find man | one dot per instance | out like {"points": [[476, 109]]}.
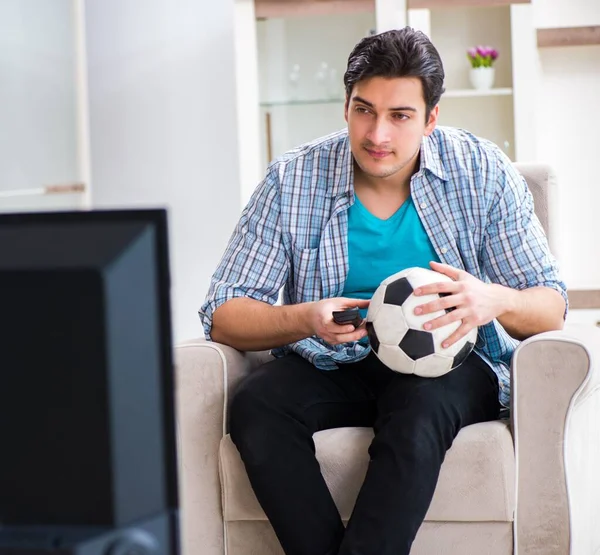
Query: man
{"points": [[330, 221]]}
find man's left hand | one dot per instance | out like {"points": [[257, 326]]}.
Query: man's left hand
{"points": [[475, 303]]}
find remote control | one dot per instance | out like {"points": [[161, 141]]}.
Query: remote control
{"points": [[348, 316]]}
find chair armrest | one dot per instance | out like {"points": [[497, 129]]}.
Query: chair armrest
{"points": [[555, 417], [205, 373]]}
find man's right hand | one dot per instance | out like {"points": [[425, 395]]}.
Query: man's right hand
{"points": [[251, 325], [320, 320]]}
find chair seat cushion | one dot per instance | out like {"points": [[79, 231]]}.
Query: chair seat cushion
{"points": [[476, 483]]}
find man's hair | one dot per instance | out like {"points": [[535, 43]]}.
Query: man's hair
{"points": [[398, 53]]}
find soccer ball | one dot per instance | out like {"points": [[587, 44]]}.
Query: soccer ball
{"points": [[396, 333]]}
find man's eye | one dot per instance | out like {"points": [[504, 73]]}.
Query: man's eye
{"points": [[400, 116], [361, 110]]}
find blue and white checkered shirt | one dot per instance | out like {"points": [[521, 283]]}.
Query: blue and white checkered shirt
{"points": [[475, 207]]}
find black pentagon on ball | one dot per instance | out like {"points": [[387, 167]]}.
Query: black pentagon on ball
{"points": [[373, 340], [417, 344], [397, 292], [462, 354]]}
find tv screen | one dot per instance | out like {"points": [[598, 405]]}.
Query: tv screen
{"points": [[87, 415]]}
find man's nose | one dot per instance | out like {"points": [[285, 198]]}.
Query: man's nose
{"points": [[379, 132]]}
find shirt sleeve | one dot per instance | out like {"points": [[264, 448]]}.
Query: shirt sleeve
{"points": [[254, 264], [515, 251]]}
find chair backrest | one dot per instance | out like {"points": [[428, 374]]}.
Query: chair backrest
{"points": [[541, 181]]}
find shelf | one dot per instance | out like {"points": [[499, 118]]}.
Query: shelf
{"points": [[456, 93], [309, 102], [470, 93], [568, 36], [432, 4], [584, 298], [59, 189], [286, 8]]}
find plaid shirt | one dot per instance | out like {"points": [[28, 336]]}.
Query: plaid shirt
{"points": [[475, 207]]}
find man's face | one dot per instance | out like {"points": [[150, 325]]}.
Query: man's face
{"points": [[386, 123]]}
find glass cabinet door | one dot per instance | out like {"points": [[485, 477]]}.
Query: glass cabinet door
{"points": [[301, 62], [39, 160]]}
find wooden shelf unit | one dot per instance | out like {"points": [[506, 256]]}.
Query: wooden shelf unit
{"points": [[584, 298], [431, 4], [286, 8], [289, 8], [568, 36]]}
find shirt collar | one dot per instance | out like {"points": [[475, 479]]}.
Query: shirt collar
{"points": [[344, 182], [430, 157]]}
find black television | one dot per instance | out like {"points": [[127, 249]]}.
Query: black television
{"points": [[88, 460]]}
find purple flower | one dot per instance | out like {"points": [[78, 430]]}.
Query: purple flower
{"points": [[482, 56], [482, 51]]}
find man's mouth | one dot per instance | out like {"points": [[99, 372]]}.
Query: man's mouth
{"points": [[378, 153]]}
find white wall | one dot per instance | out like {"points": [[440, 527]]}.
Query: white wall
{"points": [[390, 14], [561, 13], [568, 139], [163, 128], [246, 69], [568, 124], [37, 96]]}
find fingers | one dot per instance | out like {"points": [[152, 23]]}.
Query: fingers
{"points": [[351, 303], [458, 334], [335, 334], [440, 287], [449, 271], [442, 321], [451, 301], [338, 329], [346, 337]]}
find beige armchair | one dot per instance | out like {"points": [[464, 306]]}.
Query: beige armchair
{"points": [[526, 486]]}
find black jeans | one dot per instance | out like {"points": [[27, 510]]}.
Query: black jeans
{"points": [[278, 408]]}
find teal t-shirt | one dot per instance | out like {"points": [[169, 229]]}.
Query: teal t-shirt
{"points": [[379, 248]]}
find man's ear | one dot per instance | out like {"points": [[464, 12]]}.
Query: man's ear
{"points": [[432, 121], [346, 109]]}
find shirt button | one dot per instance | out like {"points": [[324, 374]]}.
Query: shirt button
{"points": [[423, 205], [443, 250]]}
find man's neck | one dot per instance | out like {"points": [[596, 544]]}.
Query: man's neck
{"points": [[399, 183]]}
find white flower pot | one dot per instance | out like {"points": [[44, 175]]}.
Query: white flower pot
{"points": [[482, 78]]}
